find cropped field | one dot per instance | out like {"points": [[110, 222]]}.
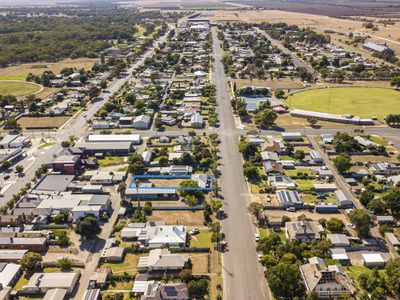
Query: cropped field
{"points": [[362, 102], [18, 88], [205, 5]]}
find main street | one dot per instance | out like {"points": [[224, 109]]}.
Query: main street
{"points": [[242, 274]]}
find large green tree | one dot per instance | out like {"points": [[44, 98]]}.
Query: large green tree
{"points": [[88, 228]]}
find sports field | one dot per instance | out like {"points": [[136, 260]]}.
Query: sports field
{"points": [[18, 88], [362, 102]]}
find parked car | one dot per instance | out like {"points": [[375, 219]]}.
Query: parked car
{"points": [[257, 237]]}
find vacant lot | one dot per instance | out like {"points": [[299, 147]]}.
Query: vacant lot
{"points": [[362, 102], [200, 263], [39, 68], [283, 83], [190, 218], [42, 122], [18, 88]]}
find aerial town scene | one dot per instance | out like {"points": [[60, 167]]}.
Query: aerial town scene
{"points": [[203, 150]]}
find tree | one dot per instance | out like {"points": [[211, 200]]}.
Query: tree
{"points": [[366, 196], [31, 261], [312, 121], [88, 228], [342, 162], [299, 154], [251, 172], [147, 208], [190, 188], [59, 218], [197, 289], [279, 94], [377, 206], [121, 189], [361, 220], [216, 205], [64, 263], [255, 209], [19, 168], [392, 276], [103, 84], [344, 142], [335, 225], [392, 200], [285, 281], [395, 82], [265, 118], [247, 149]]}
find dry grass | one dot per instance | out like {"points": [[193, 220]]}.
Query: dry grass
{"points": [[42, 122], [46, 92], [200, 263], [188, 218], [389, 34], [283, 83], [39, 68], [166, 182]]}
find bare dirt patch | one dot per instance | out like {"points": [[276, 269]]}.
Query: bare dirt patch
{"points": [[42, 122], [188, 218]]}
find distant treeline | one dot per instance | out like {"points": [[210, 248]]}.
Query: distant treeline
{"points": [[26, 39]]}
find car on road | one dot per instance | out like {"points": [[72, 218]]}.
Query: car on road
{"points": [[259, 256], [257, 237], [350, 225]]}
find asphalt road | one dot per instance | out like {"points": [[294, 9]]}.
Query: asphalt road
{"points": [[242, 274]]}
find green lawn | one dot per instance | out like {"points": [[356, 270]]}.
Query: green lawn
{"points": [[111, 161], [23, 280], [294, 172], [354, 271], [45, 145], [203, 239], [18, 88], [129, 265], [12, 77], [362, 102], [141, 30], [305, 184]]}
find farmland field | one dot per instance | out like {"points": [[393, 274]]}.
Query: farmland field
{"points": [[42, 122], [320, 23], [362, 102], [38, 68], [18, 88]]}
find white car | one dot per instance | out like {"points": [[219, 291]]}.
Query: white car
{"points": [[259, 256], [257, 237]]}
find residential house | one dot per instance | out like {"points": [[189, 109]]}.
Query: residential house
{"points": [[196, 120], [329, 282], [162, 260], [281, 182], [113, 254], [166, 291], [142, 122], [303, 231]]}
